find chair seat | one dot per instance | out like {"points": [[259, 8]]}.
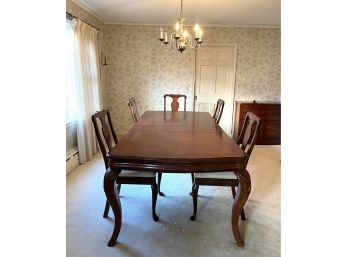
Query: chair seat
{"points": [[217, 175], [132, 173]]}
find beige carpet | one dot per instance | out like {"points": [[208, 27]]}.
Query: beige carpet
{"points": [[175, 235]]}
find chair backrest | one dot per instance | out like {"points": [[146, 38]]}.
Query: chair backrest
{"points": [[218, 110], [175, 103], [249, 133], [105, 133], [133, 109]]}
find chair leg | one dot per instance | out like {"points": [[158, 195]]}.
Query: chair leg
{"points": [[195, 188], [159, 184], [107, 205], [193, 181], [233, 192], [154, 201], [242, 214], [106, 210]]}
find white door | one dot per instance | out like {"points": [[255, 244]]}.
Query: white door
{"points": [[215, 78]]}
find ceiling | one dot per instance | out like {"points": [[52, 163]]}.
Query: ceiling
{"points": [[206, 12]]}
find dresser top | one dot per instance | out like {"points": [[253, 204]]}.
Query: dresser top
{"points": [[258, 102]]}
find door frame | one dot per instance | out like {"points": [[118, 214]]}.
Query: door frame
{"points": [[235, 45]]}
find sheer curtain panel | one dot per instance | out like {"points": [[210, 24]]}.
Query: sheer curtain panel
{"points": [[88, 88], [71, 72]]}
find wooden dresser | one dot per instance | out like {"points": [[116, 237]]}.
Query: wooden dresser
{"points": [[269, 112]]}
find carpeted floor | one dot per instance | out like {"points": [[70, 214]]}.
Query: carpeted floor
{"points": [[175, 235]]}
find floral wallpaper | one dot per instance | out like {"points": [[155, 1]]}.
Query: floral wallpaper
{"points": [[258, 60], [139, 67]]}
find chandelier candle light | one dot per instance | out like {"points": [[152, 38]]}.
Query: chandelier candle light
{"points": [[180, 38]]}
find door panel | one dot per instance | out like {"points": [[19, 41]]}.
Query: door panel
{"points": [[207, 78], [222, 56], [206, 107], [208, 54], [222, 80]]}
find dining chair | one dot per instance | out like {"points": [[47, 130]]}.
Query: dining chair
{"points": [[175, 104], [246, 141], [175, 107], [219, 108], [133, 109], [135, 116], [107, 139]]}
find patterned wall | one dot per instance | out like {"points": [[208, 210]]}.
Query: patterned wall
{"points": [[258, 60], [138, 67]]}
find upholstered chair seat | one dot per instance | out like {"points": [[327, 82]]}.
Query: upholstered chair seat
{"points": [[107, 140], [246, 141], [216, 175]]}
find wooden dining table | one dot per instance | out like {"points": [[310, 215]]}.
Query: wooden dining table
{"points": [[177, 142]]}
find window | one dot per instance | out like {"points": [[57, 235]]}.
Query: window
{"points": [[82, 84], [71, 80]]}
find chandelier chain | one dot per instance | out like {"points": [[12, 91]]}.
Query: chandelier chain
{"points": [[181, 13]]}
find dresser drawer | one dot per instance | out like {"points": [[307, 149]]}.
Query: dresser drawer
{"points": [[270, 114]]}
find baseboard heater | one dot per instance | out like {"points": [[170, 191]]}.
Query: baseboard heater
{"points": [[72, 160]]}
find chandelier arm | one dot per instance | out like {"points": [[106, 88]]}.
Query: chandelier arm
{"points": [[196, 47], [181, 39], [177, 41], [171, 42], [166, 47], [169, 47], [190, 41]]}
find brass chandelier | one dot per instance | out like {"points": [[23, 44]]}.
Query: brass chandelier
{"points": [[180, 38]]}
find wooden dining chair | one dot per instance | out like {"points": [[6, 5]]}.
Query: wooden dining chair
{"points": [[133, 109], [135, 116], [175, 107], [107, 139], [246, 141], [218, 110], [175, 104]]}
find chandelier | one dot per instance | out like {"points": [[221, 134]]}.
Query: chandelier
{"points": [[180, 38]]}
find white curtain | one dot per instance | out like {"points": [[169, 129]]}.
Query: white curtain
{"points": [[71, 71], [88, 99]]}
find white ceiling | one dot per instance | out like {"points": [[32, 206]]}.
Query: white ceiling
{"points": [[205, 12]]}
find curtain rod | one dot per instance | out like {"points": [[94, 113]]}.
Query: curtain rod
{"points": [[70, 17]]}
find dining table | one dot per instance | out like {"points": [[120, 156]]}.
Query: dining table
{"points": [[177, 142]]}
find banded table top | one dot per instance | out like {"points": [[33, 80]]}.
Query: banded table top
{"points": [[179, 137]]}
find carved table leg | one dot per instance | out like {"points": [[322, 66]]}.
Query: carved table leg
{"points": [[114, 200], [241, 198]]}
